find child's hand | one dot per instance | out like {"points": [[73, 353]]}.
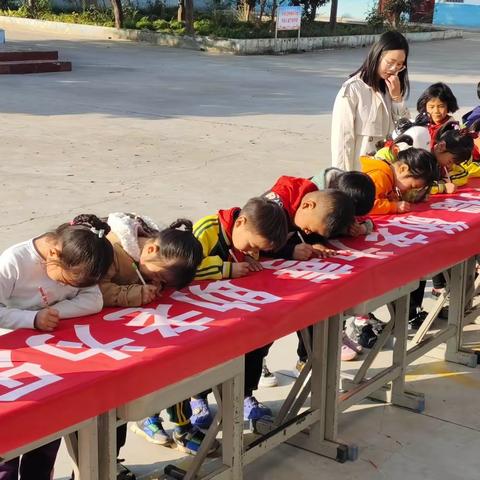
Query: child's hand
{"points": [[322, 251], [302, 251], [450, 187], [253, 265], [46, 319], [357, 229], [240, 269], [149, 293], [403, 207]]}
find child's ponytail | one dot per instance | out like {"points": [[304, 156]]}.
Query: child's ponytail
{"points": [[183, 253], [84, 249], [458, 141]]}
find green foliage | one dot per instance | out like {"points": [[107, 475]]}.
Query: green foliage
{"points": [[144, 24], [161, 25], [375, 19]]}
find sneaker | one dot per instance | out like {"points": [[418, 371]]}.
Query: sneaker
{"points": [[190, 441], [123, 473], [351, 344], [376, 324], [268, 379], [436, 292], [418, 319], [348, 354], [152, 430], [299, 367], [201, 415], [254, 410], [360, 331]]}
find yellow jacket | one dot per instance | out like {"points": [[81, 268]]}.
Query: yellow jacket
{"points": [[214, 236], [458, 176], [473, 168]]}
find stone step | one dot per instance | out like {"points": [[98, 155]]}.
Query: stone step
{"points": [[27, 55], [38, 66]]}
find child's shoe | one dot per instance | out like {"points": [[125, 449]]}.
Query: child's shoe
{"points": [[152, 430], [376, 324], [436, 292], [190, 440], [299, 367], [350, 349], [416, 321], [268, 379], [201, 415], [359, 330], [253, 410]]}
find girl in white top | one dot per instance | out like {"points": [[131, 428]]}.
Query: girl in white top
{"points": [[369, 103], [42, 281]]}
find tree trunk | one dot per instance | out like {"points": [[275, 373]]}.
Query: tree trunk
{"points": [[333, 15], [117, 13], [274, 11], [189, 17], [181, 11], [263, 4]]}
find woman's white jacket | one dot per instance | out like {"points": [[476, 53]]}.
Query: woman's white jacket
{"points": [[361, 117]]}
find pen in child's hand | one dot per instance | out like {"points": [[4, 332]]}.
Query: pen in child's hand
{"points": [[235, 259], [44, 297], [448, 176], [300, 236], [343, 252], [140, 276]]}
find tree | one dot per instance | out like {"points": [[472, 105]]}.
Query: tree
{"points": [[310, 8], [394, 9], [333, 15], [117, 13]]}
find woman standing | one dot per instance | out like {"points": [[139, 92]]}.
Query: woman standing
{"points": [[369, 103]]}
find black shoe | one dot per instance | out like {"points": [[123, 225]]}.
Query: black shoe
{"points": [[123, 473], [418, 319], [367, 337]]}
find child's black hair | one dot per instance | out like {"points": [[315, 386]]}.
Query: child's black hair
{"points": [[342, 212], [359, 187], [422, 165], [268, 219], [83, 244], [457, 140], [441, 91], [391, 40], [183, 252]]}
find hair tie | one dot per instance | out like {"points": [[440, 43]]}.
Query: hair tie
{"points": [[100, 232]]}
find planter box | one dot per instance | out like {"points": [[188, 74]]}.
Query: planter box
{"points": [[256, 46]]}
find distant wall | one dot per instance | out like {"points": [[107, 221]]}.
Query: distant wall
{"points": [[461, 13]]}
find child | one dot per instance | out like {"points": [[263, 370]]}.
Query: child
{"points": [[160, 258], [414, 169], [229, 240], [453, 149], [42, 281], [438, 101], [313, 214]]}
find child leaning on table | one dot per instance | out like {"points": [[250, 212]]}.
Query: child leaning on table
{"points": [[42, 281], [231, 241], [147, 259]]}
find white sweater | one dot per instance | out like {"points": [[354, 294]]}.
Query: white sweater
{"points": [[360, 118], [22, 271]]}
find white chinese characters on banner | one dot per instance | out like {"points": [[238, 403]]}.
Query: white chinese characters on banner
{"points": [[458, 205], [375, 253], [116, 349], [157, 320], [426, 225], [223, 296], [383, 236], [314, 270], [18, 389]]}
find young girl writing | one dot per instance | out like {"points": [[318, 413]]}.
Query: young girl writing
{"points": [[43, 281], [147, 259]]}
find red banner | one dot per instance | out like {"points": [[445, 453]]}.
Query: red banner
{"points": [[92, 364]]}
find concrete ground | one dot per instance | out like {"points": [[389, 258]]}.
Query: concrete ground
{"points": [[173, 133]]}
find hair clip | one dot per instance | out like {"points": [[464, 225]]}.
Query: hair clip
{"points": [[100, 232]]}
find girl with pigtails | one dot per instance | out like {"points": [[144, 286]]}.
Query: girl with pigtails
{"points": [[42, 281]]}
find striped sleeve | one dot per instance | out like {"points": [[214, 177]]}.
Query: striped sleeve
{"points": [[212, 267]]}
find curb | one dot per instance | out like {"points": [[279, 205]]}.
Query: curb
{"points": [[255, 46]]}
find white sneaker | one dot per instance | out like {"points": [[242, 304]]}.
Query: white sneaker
{"points": [[268, 379]]}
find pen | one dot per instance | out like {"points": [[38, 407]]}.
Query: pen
{"points": [[44, 296], [233, 256], [140, 276]]}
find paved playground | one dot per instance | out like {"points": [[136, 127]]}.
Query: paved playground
{"points": [[178, 133]]}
